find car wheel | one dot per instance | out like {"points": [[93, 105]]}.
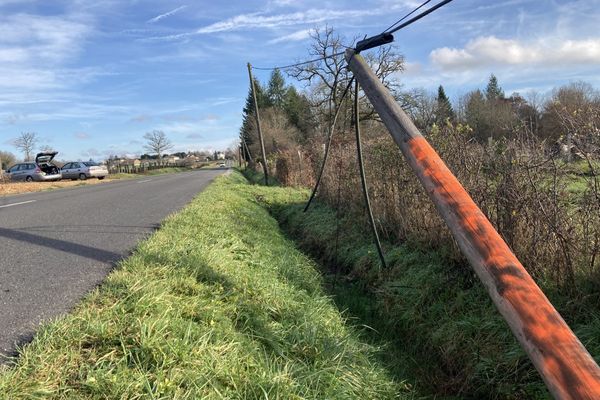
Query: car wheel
{"points": [[83, 177], [100, 178], [29, 179]]}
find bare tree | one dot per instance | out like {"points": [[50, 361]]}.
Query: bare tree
{"points": [[327, 77], [6, 159], [26, 143], [157, 142], [47, 148]]}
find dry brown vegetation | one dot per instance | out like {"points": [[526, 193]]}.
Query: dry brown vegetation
{"points": [[546, 209], [9, 188]]}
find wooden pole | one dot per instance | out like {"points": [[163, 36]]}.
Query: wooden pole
{"points": [[563, 362], [260, 138]]}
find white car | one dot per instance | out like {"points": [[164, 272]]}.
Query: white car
{"points": [[83, 170]]}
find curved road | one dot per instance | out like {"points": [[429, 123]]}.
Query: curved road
{"points": [[56, 246]]}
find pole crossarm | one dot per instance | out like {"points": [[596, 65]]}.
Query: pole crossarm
{"points": [[563, 362]]}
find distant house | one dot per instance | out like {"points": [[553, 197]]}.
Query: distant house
{"points": [[220, 155]]}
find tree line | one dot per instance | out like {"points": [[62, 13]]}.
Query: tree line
{"points": [[567, 118]]}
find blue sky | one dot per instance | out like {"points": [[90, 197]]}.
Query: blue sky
{"points": [[92, 76]]}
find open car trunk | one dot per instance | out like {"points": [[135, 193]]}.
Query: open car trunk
{"points": [[44, 162]]}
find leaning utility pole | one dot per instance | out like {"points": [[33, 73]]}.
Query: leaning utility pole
{"points": [[260, 138], [563, 362]]}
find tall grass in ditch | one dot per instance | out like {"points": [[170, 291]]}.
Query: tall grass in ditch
{"points": [[217, 304], [548, 211], [433, 316]]}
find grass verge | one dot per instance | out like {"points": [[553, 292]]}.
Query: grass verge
{"points": [[152, 172], [216, 304]]}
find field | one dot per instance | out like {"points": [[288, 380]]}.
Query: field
{"points": [[10, 188]]}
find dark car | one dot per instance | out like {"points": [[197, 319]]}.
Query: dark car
{"points": [[41, 170]]}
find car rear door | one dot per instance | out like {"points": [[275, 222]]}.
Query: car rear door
{"points": [[28, 170]]}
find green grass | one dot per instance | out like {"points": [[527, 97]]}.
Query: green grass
{"points": [[159, 171], [217, 304], [437, 324]]}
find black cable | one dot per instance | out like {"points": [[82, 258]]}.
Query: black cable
{"points": [[363, 179], [300, 63], [328, 145], [407, 15], [247, 149], [418, 17]]}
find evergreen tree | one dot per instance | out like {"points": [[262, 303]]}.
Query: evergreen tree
{"points": [[493, 91], [248, 114], [444, 107], [297, 109], [276, 89], [476, 113]]}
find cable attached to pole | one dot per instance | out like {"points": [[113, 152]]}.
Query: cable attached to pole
{"points": [[341, 53], [363, 178], [386, 36], [328, 145]]}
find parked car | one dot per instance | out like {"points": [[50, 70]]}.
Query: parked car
{"points": [[41, 170], [83, 170]]}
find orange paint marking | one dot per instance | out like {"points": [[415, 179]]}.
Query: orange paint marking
{"points": [[566, 366]]}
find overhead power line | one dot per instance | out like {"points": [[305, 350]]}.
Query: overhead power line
{"points": [[300, 63], [406, 16], [386, 36], [418, 17]]}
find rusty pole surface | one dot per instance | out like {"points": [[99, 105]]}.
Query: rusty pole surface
{"points": [[563, 362], [260, 138]]}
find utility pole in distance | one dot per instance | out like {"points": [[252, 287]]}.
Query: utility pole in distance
{"points": [[260, 138]]}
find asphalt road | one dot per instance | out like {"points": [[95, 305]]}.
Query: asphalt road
{"points": [[56, 246]]}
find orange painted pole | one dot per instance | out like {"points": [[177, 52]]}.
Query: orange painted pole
{"points": [[563, 362]]}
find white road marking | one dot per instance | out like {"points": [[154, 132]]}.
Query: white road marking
{"points": [[17, 204], [147, 180]]}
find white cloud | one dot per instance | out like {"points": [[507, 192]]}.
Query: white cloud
{"points": [[33, 38], [34, 49], [82, 135], [490, 50], [255, 20], [260, 21], [165, 15], [292, 37]]}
